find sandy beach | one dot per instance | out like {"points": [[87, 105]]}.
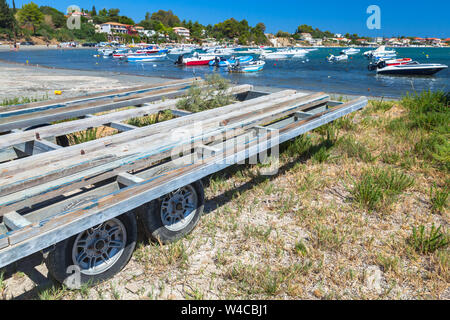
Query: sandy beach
{"points": [[18, 80]]}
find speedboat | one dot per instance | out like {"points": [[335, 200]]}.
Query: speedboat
{"points": [[296, 53], [342, 57], [350, 51], [381, 53], [410, 68], [196, 60], [276, 55], [222, 62], [146, 57], [252, 66]]}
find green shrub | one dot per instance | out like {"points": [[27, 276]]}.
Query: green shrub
{"points": [[427, 242], [438, 199], [379, 187], [210, 96]]}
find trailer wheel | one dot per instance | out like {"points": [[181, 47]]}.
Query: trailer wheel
{"points": [[174, 215], [96, 254]]}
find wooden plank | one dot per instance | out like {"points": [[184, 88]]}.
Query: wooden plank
{"points": [[95, 121], [204, 150], [128, 179], [15, 221], [110, 169]]}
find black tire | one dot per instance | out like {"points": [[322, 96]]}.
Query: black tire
{"points": [[60, 263], [154, 226]]}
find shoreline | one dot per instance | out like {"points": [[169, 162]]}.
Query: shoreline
{"points": [[121, 80]]}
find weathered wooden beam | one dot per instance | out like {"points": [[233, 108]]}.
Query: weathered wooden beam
{"points": [[302, 115]]}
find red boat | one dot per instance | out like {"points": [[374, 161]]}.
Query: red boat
{"points": [[196, 60]]}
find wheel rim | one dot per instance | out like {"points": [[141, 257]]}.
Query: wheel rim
{"points": [[98, 249], [178, 208]]}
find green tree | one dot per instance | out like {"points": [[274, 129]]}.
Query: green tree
{"points": [[58, 18], [30, 15], [6, 16], [93, 11], [168, 18]]}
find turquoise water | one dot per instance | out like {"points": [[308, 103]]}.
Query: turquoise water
{"points": [[310, 73]]}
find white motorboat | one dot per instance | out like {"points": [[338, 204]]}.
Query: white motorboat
{"points": [[350, 51], [296, 52], [411, 68], [381, 53], [342, 57], [276, 55]]}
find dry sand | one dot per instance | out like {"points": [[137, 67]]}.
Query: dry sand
{"points": [[18, 80]]}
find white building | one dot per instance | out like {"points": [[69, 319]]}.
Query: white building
{"points": [[183, 32], [113, 27]]}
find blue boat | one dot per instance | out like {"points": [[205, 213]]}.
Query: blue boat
{"points": [[223, 62]]}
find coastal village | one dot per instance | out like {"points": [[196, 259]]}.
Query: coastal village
{"points": [[46, 25]]}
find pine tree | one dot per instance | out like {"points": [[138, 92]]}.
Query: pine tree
{"points": [[93, 12], [6, 16]]}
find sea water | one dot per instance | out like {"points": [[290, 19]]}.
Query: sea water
{"points": [[312, 72]]}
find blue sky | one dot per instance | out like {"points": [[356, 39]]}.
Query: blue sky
{"points": [[425, 18]]}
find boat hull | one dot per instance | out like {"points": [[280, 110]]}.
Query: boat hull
{"points": [[411, 72]]}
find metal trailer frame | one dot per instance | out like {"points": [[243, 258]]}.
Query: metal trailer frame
{"points": [[40, 225]]}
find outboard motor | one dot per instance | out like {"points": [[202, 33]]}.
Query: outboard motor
{"points": [[372, 66], [180, 60], [216, 61], [381, 64]]}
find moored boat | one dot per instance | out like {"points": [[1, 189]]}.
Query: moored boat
{"points": [[410, 68], [252, 66], [333, 58], [146, 57], [196, 60]]}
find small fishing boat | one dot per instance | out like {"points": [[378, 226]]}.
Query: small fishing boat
{"points": [[252, 66], [350, 51], [223, 62], [410, 68], [146, 57], [342, 57], [196, 60]]}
